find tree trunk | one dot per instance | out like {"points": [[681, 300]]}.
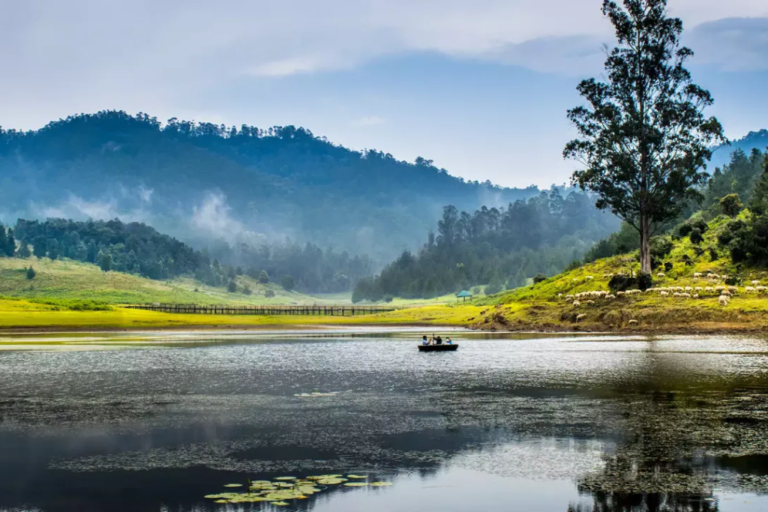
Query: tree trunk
{"points": [[645, 244]]}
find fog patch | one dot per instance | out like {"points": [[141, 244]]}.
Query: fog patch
{"points": [[213, 216]]}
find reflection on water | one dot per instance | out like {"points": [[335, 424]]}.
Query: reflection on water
{"points": [[572, 423]]}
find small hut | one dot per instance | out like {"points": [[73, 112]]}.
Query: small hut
{"points": [[464, 294]]}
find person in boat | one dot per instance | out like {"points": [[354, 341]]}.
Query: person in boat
{"points": [[448, 341], [438, 340], [424, 340]]}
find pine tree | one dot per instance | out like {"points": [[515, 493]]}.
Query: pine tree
{"points": [[10, 245], [39, 247], [3, 240], [24, 251], [264, 277], [105, 261], [31, 273]]}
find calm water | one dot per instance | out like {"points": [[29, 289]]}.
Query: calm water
{"points": [[518, 424]]}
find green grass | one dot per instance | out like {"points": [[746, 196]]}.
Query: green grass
{"points": [[65, 280]]}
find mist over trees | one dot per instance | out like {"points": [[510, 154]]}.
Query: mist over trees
{"points": [[497, 247], [139, 249], [279, 181]]}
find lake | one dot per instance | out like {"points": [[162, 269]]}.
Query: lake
{"points": [[507, 423]]}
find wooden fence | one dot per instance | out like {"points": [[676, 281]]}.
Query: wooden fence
{"points": [[264, 310]]}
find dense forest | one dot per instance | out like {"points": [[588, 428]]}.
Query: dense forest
{"points": [[201, 182], [499, 247], [139, 249]]}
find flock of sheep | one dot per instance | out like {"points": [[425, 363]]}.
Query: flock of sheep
{"points": [[723, 292]]}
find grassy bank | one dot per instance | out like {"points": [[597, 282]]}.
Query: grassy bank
{"points": [[66, 280], [18, 314]]}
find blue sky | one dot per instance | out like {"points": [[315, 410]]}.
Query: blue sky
{"points": [[479, 86]]}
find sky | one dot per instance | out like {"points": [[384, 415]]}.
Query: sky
{"points": [[479, 86]]}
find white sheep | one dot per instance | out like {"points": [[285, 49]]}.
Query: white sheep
{"points": [[726, 293], [750, 289], [695, 295], [590, 278], [709, 289], [581, 317], [661, 275], [688, 289], [664, 294], [576, 303], [697, 275], [698, 289], [755, 283], [610, 297], [723, 300]]}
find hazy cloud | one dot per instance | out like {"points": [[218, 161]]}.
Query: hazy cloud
{"points": [[213, 217], [733, 44], [97, 57], [78, 208], [368, 121]]}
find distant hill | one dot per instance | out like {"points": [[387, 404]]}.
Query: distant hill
{"points": [[201, 181], [754, 140]]}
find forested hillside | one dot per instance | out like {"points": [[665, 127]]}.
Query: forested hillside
{"points": [[136, 248], [500, 247], [753, 140], [201, 181]]}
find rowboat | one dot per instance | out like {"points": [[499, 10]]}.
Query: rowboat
{"points": [[438, 348]]}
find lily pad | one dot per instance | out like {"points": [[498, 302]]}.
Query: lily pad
{"points": [[233, 485], [358, 476], [213, 496], [381, 484], [286, 478], [356, 484], [221, 501]]}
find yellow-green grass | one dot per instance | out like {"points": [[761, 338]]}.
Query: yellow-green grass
{"points": [[541, 307], [71, 280], [22, 314]]}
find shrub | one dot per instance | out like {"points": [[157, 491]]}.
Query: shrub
{"points": [[713, 254], [269, 294], [232, 287], [388, 298], [538, 278], [731, 205], [264, 277], [696, 236], [733, 281], [644, 281], [31, 273], [668, 267], [247, 290]]}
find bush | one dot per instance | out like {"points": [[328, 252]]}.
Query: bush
{"points": [[388, 298], [644, 281], [538, 278], [31, 273], [264, 277], [733, 281], [622, 283], [713, 254], [668, 267], [247, 290], [232, 287], [731, 205], [269, 294], [696, 236]]}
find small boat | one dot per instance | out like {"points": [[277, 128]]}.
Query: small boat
{"points": [[438, 348]]}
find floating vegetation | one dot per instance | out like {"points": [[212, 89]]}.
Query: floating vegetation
{"points": [[284, 489]]}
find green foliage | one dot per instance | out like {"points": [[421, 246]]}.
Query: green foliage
{"points": [[494, 287], [737, 177], [540, 235], [247, 290], [232, 287], [264, 277], [288, 283], [39, 247], [643, 169], [696, 236], [731, 205], [269, 294], [539, 278], [24, 251], [7, 242], [30, 274], [388, 298], [105, 261]]}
